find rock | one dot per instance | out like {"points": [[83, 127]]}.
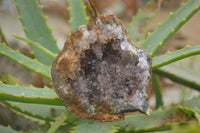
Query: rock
{"points": [[100, 74]]}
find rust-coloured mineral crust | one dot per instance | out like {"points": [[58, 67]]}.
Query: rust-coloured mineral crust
{"points": [[100, 74]]}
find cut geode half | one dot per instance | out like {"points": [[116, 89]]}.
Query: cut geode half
{"points": [[100, 74]]}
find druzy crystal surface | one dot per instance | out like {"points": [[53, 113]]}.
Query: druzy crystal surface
{"points": [[100, 74]]}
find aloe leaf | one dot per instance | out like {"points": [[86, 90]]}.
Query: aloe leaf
{"points": [[4, 129], [77, 14], [59, 121], [63, 129], [161, 35], [25, 61], [37, 45], [139, 23], [157, 120], [40, 111], [157, 90], [194, 104], [170, 57], [192, 127], [36, 28], [8, 79], [3, 39], [87, 126], [180, 75], [25, 112], [29, 94]]}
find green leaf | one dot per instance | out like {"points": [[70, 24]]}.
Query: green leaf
{"points": [[36, 28], [161, 35], [77, 14], [192, 127], [2, 37], [194, 104], [140, 22], [167, 58], [31, 114], [39, 111], [29, 94], [37, 45], [180, 75], [63, 129], [8, 79], [7, 130], [157, 120], [59, 121], [87, 126], [25, 61], [157, 90]]}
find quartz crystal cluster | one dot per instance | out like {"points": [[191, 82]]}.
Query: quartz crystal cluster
{"points": [[100, 74]]}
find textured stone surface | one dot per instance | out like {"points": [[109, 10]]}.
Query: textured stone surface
{"points": [[100, 74]]}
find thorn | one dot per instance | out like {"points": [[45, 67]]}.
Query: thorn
{"points": [[20, 62], [187, 46], [18, 51], [68, 8], [182, 3], [23, 28], [183, 54], [171, 13], [32, 52], [84, 7], [51, 29], [165, 61], [19, 17], [159, 24], [41, 7], [183, 20], [149, 33], [172, 31], [46, 17], [168, 52]]}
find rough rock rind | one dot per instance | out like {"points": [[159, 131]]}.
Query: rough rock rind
{"points": [[100, 74]]}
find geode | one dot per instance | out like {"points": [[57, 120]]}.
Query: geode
{"points": [[100, 74]]}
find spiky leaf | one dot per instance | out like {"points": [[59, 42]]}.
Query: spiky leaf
{"points": [[157, 90], [77, 14], [37, 45], [39, 111], [59, 121], [157, 120], [170, 57], [194, 104], [161, 35], [29, 94], [139, 23], [87, 126], [4, 129], [180, 75], [25, 61], [36, 28]]}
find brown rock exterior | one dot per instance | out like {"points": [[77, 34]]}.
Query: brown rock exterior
{"points": [[100, 74]]}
